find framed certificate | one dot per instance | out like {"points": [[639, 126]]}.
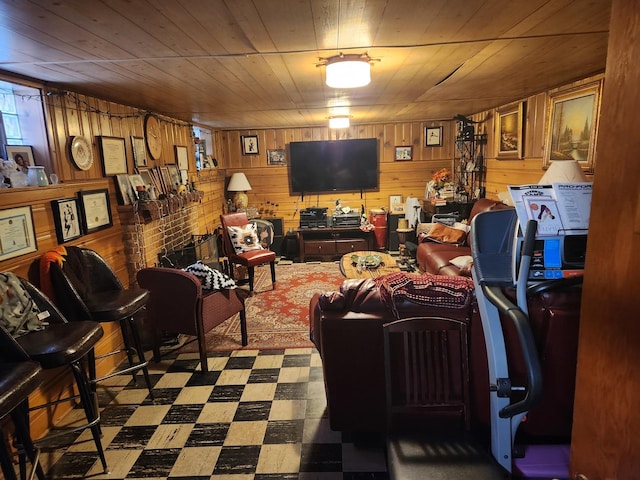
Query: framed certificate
{"points": [[96, 210], [17, 235], [114, 158]]}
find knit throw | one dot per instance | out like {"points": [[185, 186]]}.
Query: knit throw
{"points": [[442, 291]]}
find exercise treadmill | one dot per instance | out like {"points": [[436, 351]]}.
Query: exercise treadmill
{"points": [[502, 256]]}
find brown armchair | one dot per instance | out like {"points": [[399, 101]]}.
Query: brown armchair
{"points": [[178, 304], [250, 258]]}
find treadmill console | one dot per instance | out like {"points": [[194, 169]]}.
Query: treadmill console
{"points": [[554, 257]]}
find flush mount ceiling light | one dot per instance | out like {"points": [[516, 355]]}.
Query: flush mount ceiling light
{"points": [[339, 122], [347, 70]]}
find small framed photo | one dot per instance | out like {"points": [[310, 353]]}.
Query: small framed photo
{"points": [[403, 152], [395, 204], [95, 209], [276, 157], [67, 219], [22, 155], [249, 144], [165, 178], [181, 157], [139, 151], [136, 181], [114, 158], [433, 136], [175, 176], [126, 196], [17, 235]]}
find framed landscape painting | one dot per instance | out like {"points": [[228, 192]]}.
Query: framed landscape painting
{"points": [[509, 121], [572, 125]]}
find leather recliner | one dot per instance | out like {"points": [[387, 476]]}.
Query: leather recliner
{"points": [[346, 328]]}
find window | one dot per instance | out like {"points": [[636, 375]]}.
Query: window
{"points": [[10, 133], [22, 119]]}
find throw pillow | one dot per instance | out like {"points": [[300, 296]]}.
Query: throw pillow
{"points": [[462, 262], [444, 234], [210, 278], [244, 238]]}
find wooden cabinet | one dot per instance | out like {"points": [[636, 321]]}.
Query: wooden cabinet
{"points": [[332, 242]]}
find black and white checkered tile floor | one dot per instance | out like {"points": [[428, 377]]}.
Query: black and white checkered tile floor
{"points": [[257, 414]]}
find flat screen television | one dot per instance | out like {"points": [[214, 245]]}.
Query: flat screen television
{"points": [[333, 166]]}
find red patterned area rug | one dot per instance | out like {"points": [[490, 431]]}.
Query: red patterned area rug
{"points": [[276, 318]]}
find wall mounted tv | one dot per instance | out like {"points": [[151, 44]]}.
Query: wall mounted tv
{"points": [[333, 166]]}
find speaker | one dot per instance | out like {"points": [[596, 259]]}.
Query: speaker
{"points": [[278, 234]]}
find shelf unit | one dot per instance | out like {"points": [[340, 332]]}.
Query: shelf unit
{"points": [[469, 161]]}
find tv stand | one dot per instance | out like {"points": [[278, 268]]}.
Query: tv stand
{"points": [[329, 243]]}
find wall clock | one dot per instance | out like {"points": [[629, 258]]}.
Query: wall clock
{"points": [[81, 152], [152, 136]]}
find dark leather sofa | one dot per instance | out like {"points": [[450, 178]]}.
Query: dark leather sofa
{"points": [[435, 258]]}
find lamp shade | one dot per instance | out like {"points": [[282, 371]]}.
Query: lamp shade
{"points": [[348, 71], [567, 171], [239, 183]]}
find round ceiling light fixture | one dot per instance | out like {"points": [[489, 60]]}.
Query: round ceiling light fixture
{"points": [[341, 121], [348, 70]]}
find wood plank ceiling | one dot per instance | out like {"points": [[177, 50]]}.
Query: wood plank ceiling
{"points": [[249, 64]]}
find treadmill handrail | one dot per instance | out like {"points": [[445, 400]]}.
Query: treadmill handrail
{"points": [[529, 351]]}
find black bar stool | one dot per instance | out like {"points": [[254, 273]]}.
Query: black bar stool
{"points": [[85, 287], [62, 344], [19, 377]]}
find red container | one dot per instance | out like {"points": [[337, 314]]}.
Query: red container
{"points": [[378, 218]]}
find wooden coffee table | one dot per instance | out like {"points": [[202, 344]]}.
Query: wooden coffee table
{"points": [[350, 270]]}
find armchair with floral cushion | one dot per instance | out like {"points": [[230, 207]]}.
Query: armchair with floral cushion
{"points": [[241, 246]]}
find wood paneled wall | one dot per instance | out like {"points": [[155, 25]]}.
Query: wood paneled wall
{"points": [[270, 183]]}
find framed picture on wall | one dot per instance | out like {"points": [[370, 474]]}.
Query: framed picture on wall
{"points": [[67, 219], [433, 136], [181, 157], [404, 152], [139, 151], [508, 131], [573, 125], [95, 209], [114, 157], [276, 157], [249, 144], [17, 235]]}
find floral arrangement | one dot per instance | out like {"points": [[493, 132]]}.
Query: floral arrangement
{"points": [[440, 180]]}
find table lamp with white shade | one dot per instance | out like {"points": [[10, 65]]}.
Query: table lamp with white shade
{"points": [[239, 184], [563, 171]]}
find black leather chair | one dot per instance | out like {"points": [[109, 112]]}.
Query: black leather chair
{"points": [[62, 344], [19, 377], [86, 287]]}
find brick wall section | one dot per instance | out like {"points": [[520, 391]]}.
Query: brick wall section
{"points": [[144, 240]]}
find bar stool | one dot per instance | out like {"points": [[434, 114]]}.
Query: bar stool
{"points": [[19, 377], [62, 344], [85, 287]]}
